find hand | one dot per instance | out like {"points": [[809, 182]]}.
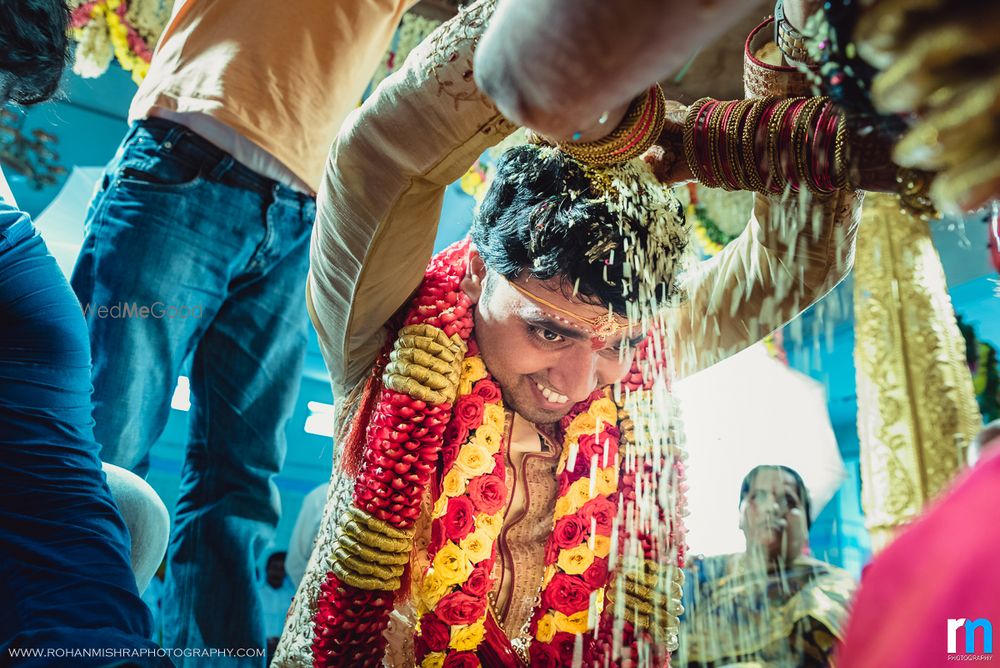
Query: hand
{"points": [[941, 63], [798, 11], [666, 157]]}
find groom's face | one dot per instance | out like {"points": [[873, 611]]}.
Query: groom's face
{"points": [[545, 357]]}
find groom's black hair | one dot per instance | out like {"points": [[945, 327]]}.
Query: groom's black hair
{"points": [[542, 217]]}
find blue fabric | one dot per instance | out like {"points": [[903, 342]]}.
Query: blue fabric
{"points": [[218, 255], [65, 579]]}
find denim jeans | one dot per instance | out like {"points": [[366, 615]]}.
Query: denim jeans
{"points": [[65, 580], [188, 252]]}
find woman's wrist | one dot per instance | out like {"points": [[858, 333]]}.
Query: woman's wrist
{"points": [[600, 128], [639, 128]]}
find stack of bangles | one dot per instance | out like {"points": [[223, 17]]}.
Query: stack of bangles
{"points": [[767, 144], [640, 129]]}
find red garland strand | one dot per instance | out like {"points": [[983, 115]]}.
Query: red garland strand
{"points": [[403, 443], [603, 645]]}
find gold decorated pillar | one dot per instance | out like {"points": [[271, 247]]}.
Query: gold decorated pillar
{"points": [[916, 405]]}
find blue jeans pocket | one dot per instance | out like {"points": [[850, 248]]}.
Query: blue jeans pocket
{"points": [[145, 166], [15, 227]]}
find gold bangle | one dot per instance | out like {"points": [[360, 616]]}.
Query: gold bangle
{"points": [[690, 121], [714, 128], [588, 151], [733, 159], [800, 143], [840, 166], [640, 129], [749, 138], [775, 175]]}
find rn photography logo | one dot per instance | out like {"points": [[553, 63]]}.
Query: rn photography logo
{"points": [[971, 626]]}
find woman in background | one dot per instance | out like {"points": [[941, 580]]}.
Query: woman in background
{"points": [[771, 605]]}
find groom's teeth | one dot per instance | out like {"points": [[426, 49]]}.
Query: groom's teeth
{"points": [[551, 395]]}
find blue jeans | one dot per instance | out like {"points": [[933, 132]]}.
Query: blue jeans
{"points": [[65, 579], [189, 252]]}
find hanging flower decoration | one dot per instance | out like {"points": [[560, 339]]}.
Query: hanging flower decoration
{"points": [[126, 30], [475, 182], [716, 216], [704, 207], [412, 30]]}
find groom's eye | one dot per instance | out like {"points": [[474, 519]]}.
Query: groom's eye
{"points": [[546, 335]]}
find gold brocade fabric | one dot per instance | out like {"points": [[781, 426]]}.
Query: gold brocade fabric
{"points": [[532, 490], [916, 405], [761, 76], [738, 617]]}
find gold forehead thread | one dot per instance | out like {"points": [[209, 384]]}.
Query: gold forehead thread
{"points": [[603, 326]]}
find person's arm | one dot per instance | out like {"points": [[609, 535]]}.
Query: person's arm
{"points": [[778, 266], [300, 544], [556, 66], [381, 197], [785, 260]]}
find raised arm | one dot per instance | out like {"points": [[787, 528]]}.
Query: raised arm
{"points": [[789, 256], [778, 266], [381, 197]]}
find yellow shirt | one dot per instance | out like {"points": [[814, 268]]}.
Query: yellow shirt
{"points": [[283, 74]]}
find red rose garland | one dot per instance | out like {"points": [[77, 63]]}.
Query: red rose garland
{"points": [[466, 520], [613, 639], [402, 446], [576, 556]]}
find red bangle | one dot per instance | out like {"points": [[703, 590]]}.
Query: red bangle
{"points": [[701, 142], [786, 161]]}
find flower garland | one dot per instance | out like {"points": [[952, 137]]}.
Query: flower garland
{"points": [[475, 182], [127, 30], [397, 456], [576, 556], [466, 521], [710, 234]]}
